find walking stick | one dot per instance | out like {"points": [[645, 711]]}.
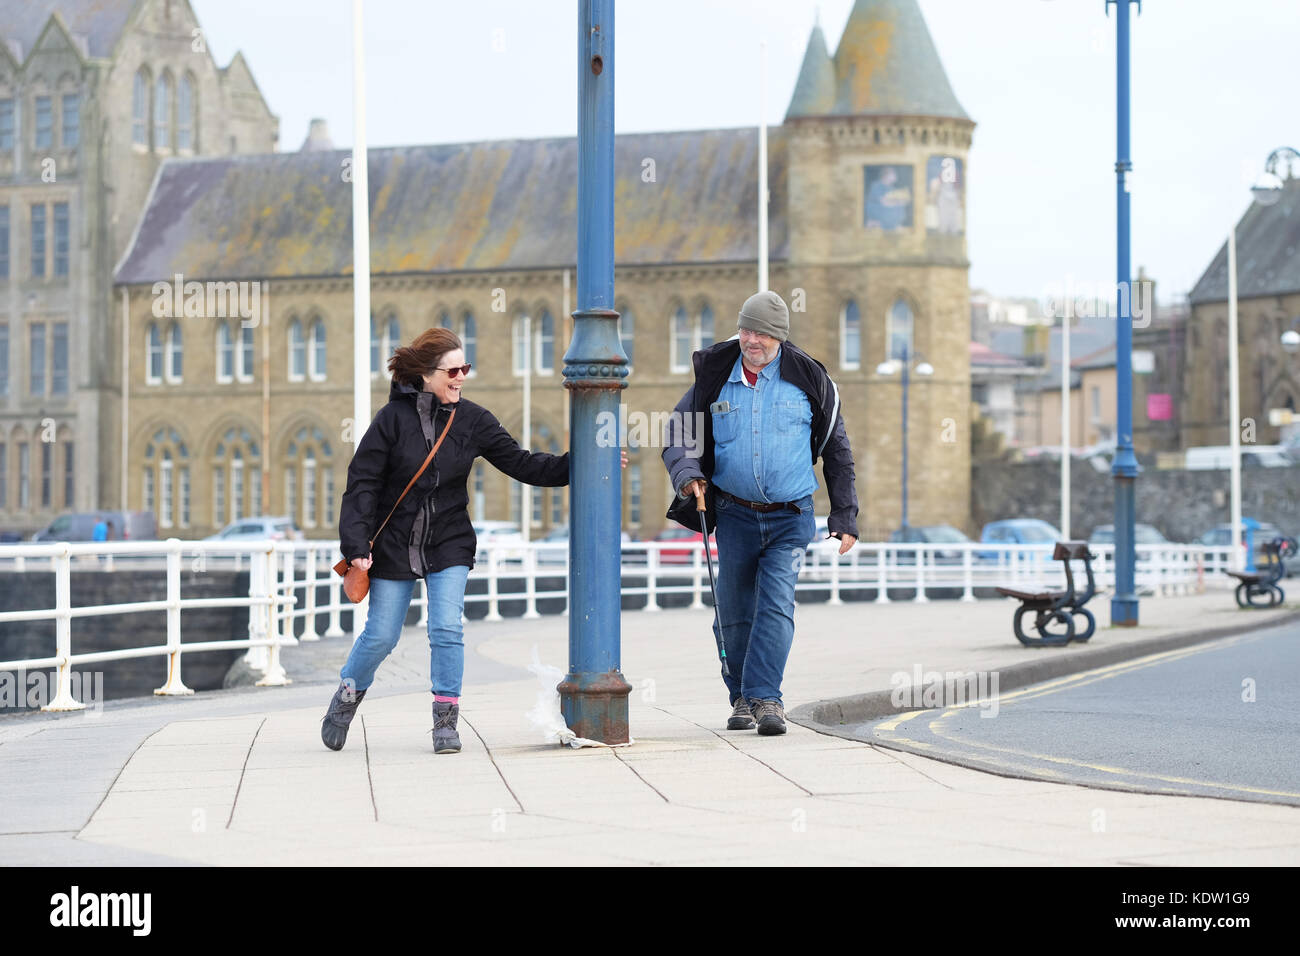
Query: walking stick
{"points": [[713, 585]]}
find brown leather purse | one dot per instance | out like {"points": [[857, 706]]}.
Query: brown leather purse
{"points": [[356, 581]]}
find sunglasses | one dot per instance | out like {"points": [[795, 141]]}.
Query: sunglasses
{"points": [[454, 370]]}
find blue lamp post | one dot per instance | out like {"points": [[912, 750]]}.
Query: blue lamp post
{"points": [[1124, 468], [903, 365], [593, 695]]}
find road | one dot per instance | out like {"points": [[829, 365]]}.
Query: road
{"points": [[1217, 720]]}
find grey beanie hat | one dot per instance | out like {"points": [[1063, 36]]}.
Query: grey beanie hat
{"points": [[765, 312]]}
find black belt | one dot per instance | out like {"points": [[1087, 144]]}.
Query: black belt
{"points": [[756, 506]]}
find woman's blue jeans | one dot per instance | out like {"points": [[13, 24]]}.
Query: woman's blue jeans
{"points": [[389, 602]]}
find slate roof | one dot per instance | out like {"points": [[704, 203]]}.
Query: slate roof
{"points": [[100, 21], [1268, 253], [509, 204], [886, 64]]}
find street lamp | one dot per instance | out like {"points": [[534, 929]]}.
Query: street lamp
{"points": [[1266, 191], [904, 365]]}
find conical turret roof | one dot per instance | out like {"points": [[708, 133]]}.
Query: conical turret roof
{"points": [[814, 92]]}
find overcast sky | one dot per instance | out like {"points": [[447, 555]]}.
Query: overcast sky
{"points": [[1214, 91]]}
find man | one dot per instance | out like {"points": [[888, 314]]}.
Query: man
{"points": [[768, 412]]}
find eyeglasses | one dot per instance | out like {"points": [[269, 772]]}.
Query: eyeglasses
{"points": [[454, 370]]}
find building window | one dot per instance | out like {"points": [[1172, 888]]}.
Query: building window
{"points": [[140, 109], [162, 112], [546, 344], [38, 240], [4, 242], [153, 363], [69, 476], [850, 336], [317, 364], [245, 369], [899, 333], [185, 114], [1095, 396], [6, 124], [44, 122], [60, 239], [36, 357], [167, 448], [175, 353], [4, 358], [146, 489], [297, 352], [225, 354], [71, 119], [255, 491], [634, 495], [706, 334], [384, 338], [311, 453], [627, 334], [47, 475], [238, 444], [291, 492], [469, 339], [327, 498], [218, 496], [185, 495], [236, 485], [682, 340], [24, 476], [168, 497], [309, 489], [59, 369]]}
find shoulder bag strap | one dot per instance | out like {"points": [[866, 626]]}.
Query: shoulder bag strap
{"points": [[433, 451]]}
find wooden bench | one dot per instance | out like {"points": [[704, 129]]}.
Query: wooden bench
{"points": [[1055, 611], [1260, 588]]}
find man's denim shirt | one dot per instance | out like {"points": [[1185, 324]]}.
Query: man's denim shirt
{"points": [[762, 437]]}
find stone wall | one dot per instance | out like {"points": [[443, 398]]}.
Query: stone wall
{"points": [[1182, 505]]}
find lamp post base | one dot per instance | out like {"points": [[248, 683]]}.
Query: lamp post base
{"points": [[595, 705]]}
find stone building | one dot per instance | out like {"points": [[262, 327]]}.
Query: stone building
{"points": [[1268, 304], [867, 180], [94, 96]]}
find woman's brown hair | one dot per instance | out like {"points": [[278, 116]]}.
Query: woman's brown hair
{"points": [[410, 364]]}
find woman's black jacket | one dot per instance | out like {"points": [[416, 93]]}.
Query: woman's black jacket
{"points": [[431, 530]]}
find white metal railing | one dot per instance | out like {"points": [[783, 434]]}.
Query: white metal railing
{"points": [[286, 580]]}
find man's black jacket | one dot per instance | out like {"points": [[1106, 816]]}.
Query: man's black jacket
{"points": [[431, 531], [829, 442]]}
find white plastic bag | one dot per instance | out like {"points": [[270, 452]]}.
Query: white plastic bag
{"points": [[546, 715]]}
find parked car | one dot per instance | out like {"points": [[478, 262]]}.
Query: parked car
{"points": [[683, 555], [1017, 531], [1219, 457], [559, 534], [1220, 538], [929, 534], [1142, 534], [80, 526], [504, 537], [259, 528]]}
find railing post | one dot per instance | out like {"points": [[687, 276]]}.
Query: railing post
{"points": [[423, 622], [287, 588], [335, 628], [968, 590], [530, 582], [882, 581], [835, 598], [921, 597], [697, 582], [275, 675], [494, 610], [651, 567], [63, 699], [259, 614], [309, 623], [174, 686]]}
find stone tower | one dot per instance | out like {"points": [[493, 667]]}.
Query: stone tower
{"points": [[877, 148]]}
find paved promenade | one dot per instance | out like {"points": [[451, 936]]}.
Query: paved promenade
{"points": [[241, 777]]}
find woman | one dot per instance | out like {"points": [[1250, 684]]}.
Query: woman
{"points": [[430, 535]]}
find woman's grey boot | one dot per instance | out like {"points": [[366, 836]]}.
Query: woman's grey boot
{"points": [[343, 707], [445, 738]]}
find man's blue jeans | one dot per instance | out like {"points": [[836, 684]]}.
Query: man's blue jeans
{"points": [[389, 602], [759, 557]]}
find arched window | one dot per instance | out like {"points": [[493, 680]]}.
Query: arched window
{"points": [[546, 343], [153, 363], [444, 321], [683, 340], [186, 113], [706, 331], [166, 470], [245, 370], [309, 478], [236, 477], [316, 365], [469, 338], [162, 112], [385, 336], [627, 333], [175, 353], [225, 353], [140, 108], [297, 352], [899, 331], [850, 336]]}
